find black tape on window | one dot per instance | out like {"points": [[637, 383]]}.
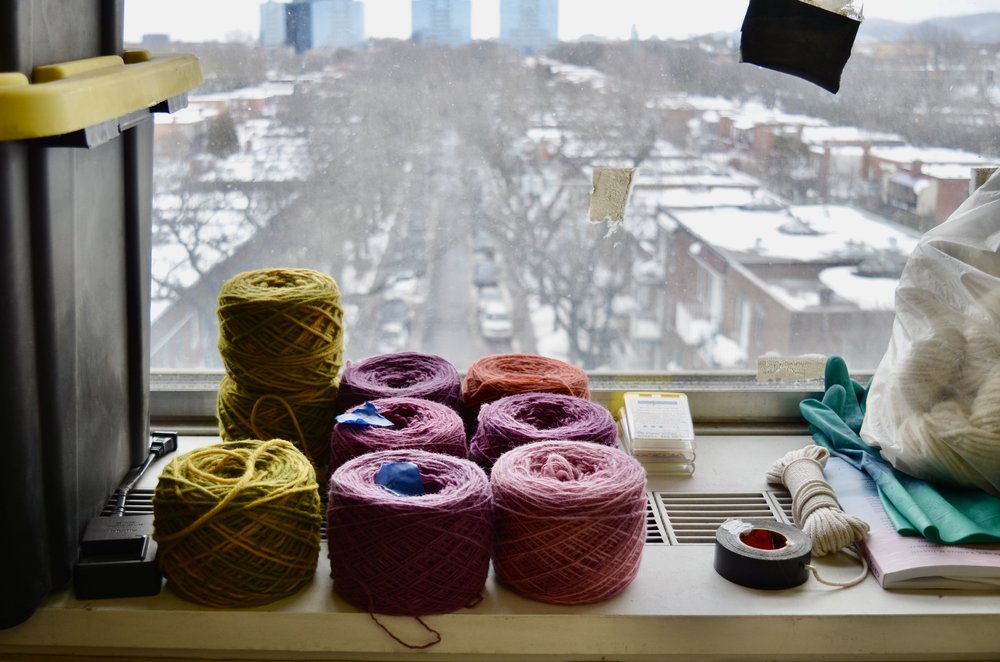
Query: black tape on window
{"points": [[797, 38]]}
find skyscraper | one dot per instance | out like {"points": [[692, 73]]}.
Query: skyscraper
{"points": [[529, 25], [306, 24], [273, 23], [337, 23], [447, 22]]}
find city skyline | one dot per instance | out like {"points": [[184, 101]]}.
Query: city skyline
{"points": [[222, 20]]}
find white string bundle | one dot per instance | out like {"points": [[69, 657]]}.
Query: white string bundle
{"points": [[815, 508]]}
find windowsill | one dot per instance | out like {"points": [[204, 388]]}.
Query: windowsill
{"points": [[677, 608]]}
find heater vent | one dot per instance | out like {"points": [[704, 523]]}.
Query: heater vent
{"points": [[672, 518], [694, 517]]}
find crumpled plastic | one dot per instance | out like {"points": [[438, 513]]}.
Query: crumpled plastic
{"points": [[940, 513], [366, 414]]}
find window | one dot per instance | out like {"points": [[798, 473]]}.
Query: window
{"points": [[420, 152]]}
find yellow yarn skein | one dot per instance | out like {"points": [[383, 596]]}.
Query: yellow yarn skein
{"points": [[281, 342], [238, 523]]}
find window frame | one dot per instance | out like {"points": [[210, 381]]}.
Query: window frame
{"points": [[721, 402]]}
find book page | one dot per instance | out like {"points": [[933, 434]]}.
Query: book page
{"points": [[895, 558]]}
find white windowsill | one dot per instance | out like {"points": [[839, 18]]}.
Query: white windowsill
{"points": [[677, 608]]}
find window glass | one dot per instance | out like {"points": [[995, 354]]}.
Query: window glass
{"points": [[436, 158]]}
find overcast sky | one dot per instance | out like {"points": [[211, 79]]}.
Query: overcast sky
{"points": [[205, 20]]}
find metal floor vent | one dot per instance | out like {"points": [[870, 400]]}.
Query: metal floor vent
{"points": [[694, 517], [656, 534], [140, 502], [673, 518]]}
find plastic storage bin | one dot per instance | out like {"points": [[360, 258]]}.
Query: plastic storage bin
{"points": [[75, 237]]}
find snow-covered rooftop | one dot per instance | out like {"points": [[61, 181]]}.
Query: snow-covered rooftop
{"points": [[947, 171], [695, 198], [907, 154], [818, 135], [805, 233], [752, 114], [868, 293]]}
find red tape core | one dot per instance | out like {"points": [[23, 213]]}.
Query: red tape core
{"points": [[764, 539]]}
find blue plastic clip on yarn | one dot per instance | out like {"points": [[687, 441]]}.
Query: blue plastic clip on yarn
{"points": [[400, 478], [366, 414]]}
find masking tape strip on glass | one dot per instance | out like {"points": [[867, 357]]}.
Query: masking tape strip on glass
{"points": [[70, 96]]}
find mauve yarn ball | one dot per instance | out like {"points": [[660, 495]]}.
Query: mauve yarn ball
{"points": [[401, 374], [417, 424], [410, 555], [520, 419]]}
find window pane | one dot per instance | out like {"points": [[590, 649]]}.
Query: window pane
{"points": [[436, 158]]}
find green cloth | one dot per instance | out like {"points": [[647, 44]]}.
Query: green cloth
{"points": [[940, 513]]}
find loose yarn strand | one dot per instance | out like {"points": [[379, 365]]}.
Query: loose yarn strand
{"points": [[303, 442], [860, 577]]}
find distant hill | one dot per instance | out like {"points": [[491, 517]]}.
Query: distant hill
{"points": [[979, 28]]}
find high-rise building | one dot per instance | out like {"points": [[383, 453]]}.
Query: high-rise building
{"points": [[529, 25], [273, 23], [446, 22], [298, 24], [337, 23], [306, 24]]}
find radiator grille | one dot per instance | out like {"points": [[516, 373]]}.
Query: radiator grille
{"points": [[672, 518], [694, 517]]}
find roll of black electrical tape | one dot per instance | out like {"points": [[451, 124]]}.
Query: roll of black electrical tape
{"points": [[762, 553]]}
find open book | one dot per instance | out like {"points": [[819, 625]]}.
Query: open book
{"points": [[905, 562]]}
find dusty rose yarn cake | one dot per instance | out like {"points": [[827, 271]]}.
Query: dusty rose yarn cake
{"points": [[570, 520]]}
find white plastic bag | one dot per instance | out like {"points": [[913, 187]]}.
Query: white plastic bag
{"points": [[934, 402]]}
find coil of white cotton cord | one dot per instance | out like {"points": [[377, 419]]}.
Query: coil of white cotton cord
{"points": [[815, 508]]}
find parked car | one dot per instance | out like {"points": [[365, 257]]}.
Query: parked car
{"points": [[495, 322], [489, 294], [484, 274], [395, 311]]}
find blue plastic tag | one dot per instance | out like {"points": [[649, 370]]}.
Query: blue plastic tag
{"points": [[366, 414], [400, 478]]}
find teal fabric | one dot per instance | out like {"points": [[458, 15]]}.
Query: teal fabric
{"points": [[940, 513]]}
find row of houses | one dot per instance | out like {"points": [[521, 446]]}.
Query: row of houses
{"points": [[738, 269]]}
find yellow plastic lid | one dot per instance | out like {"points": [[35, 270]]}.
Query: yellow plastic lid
{"points": [[70, 96]]}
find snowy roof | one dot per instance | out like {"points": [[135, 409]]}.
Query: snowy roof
{"points": [[806, 233], [690, 180], [265, 90], [927, 155], [818, 135], [753, 114], [947, 171], [866, 292], [839, 150], [690, 198]]}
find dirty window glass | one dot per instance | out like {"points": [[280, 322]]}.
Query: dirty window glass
{"points": [[437, 157]]}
